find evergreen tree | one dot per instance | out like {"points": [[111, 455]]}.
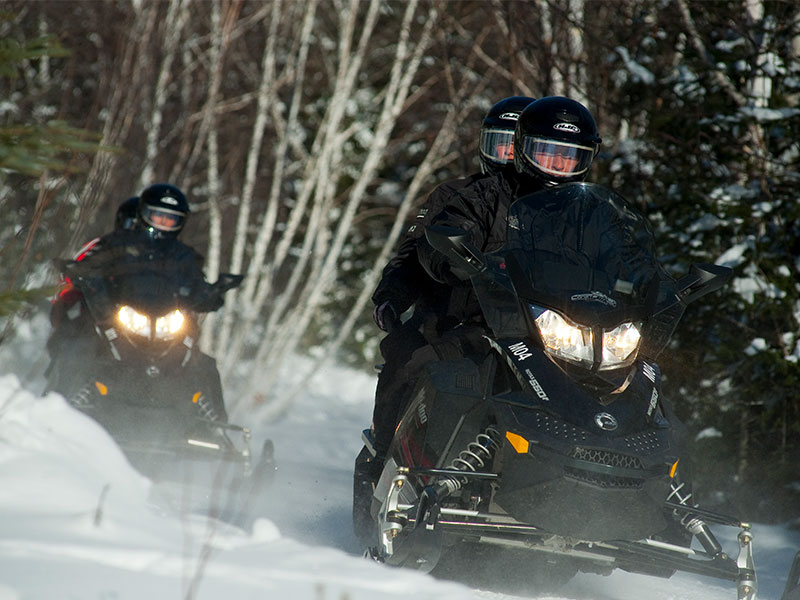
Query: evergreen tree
{"points": [[715, 167], [30, 151]]}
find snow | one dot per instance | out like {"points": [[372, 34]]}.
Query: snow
{"points": [[637, 70], [76, 521], [705, 223], [756, 345], [708, 432], [753, 284], [766, 115]]}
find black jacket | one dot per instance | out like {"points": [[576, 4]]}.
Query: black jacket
{"points": [[404, 281], [480, 209]]}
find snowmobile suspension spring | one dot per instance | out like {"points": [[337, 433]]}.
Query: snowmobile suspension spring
{"points": [[82, 398], [475, 456], [206, 410], [682, 496], [693, 524]]}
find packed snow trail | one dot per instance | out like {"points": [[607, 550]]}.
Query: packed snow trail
{"points": [[73, 509]]}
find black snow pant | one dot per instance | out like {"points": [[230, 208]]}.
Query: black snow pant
{"points": [[406, 353], [397, 348]]}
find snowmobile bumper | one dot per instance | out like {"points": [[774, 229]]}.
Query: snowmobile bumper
{"points": [[413, 529]]}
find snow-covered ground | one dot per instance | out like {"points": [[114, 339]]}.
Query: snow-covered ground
{"points": [[76, 521]]}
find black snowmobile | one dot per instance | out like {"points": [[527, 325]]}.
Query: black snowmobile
{"points": [[132, 362], [554, 451]]}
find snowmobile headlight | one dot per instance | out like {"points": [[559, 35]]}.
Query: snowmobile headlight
{"points": [[564, 339], [134, 322], [575, 343], [169, 325], [620, 345]]}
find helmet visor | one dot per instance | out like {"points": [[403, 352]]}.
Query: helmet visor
{"points": [[163, 219], [557, 158], [497, 145]]}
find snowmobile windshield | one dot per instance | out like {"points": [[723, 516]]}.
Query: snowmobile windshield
{"points": [[582, 250], [153, 277]]}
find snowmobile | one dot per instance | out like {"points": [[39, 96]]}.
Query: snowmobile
{"points": [[554, 451], [132, 362]]}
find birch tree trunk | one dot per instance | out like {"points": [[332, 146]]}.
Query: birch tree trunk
{"points": [[220, 38], [578, 83], [173, 27], [123, 98], [276, 347], [318, 168]]}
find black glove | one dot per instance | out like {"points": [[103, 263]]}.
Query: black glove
{"points": [[385, 316]]}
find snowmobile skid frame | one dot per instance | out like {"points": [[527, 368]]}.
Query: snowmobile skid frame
{"points": [[422, 523]]}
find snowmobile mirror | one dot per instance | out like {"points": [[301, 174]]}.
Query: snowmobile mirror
{"points": [[465, 259], [703, 279], [227, 281]]}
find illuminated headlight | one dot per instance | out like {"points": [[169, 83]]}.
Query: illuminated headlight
{"points": [[169, 325], [166, 327], [134, 322], [620, 345], [575, 343], [565, 340]]}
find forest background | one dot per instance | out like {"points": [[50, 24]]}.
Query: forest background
{"points": [[306, 132]]}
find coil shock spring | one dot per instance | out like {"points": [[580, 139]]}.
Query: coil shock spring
{"points": [[692, 523], [82, 398], [206, 410], [677, 493], [475, 456]]}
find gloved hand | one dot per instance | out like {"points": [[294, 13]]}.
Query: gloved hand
{"points": [[385, 315]]}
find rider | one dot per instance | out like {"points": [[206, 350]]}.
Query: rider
{"points": [[404, 283], [555, 141], [126, 214], [161, 213], [147, 239], [67, 302]]}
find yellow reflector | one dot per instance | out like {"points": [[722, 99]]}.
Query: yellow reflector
{"points": [[674, 469], [197, 396], [102, 388], [520, 444]]}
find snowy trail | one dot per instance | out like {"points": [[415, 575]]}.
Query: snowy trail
{"points": [[73, 509]]}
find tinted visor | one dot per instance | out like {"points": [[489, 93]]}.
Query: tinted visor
{"points": [[163, 219], [557, 158], [497, 145]]}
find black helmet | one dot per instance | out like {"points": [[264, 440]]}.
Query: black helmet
{"points": [[163, 210], [556, 140], [497, 133], [126, 214]]}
